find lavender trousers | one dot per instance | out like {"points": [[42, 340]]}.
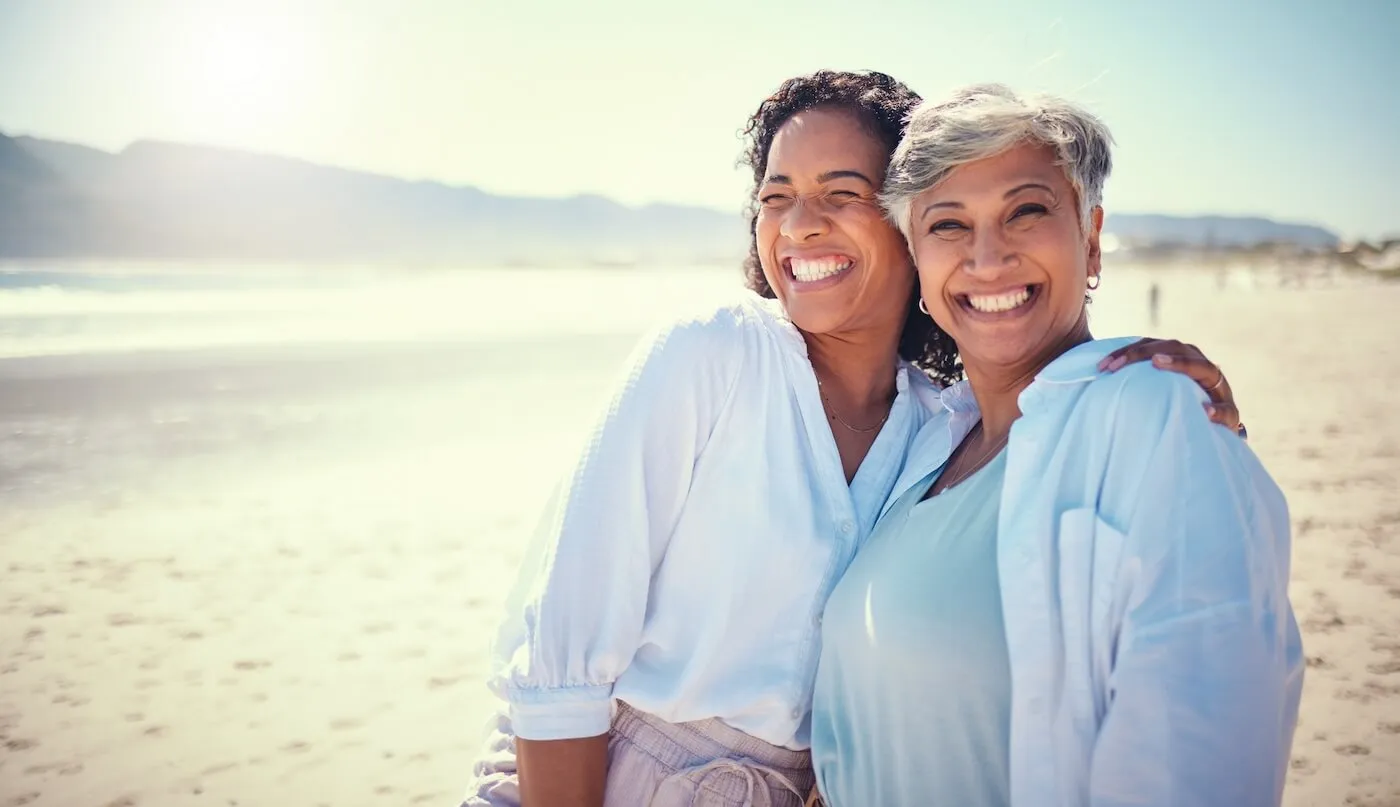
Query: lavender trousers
{"points": [[653, 763]]}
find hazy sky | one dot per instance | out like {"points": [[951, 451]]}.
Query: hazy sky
{"points": [[1273, 107]]}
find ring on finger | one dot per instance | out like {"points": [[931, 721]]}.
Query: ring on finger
{"points": [[1216, 385]]}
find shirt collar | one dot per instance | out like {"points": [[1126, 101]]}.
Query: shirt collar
{"points": [[1078, 365]]}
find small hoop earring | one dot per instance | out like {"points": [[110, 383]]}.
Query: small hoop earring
{"points": [[924, 308], [1093, 282]]}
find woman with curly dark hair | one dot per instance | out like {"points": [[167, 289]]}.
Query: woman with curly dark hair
{"points": [[662, 641]]}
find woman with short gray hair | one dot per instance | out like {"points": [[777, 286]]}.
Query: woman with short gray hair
{"points": [[983, 121], [1078, 591]]}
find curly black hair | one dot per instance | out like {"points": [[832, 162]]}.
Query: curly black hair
{"points": [[883, 105]]}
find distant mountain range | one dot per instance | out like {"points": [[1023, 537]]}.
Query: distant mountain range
{"points": [[157, 200], [1151, 230]]}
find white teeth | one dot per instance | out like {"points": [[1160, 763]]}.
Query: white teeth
{"points": [[993, 303], [807, 270]]}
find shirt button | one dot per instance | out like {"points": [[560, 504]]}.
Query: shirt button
{"points": [[847, 527]]}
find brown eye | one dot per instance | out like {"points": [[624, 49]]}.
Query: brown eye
{"points": [[946, 226], [1030, 209]]}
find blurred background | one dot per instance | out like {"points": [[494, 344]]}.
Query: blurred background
{"points": [[304, 305]]}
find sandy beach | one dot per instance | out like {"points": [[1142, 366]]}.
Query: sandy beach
{"points": [[269, 577]]}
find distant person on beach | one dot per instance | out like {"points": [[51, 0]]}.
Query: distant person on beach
{"points": [[1153, 300], [1079, 594], [662, 641]]}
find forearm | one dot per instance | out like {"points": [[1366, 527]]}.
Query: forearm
{"points": [[563, 773]]}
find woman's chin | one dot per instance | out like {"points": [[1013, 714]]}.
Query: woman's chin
{"points": [[1009, 350]]}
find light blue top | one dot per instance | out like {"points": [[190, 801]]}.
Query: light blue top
{"points": [[914, 682], [1143, 556], [684, 564]]}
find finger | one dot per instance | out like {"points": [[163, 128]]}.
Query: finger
{"points": [[1199, 369], [1226, 414], [1136, 352], [1203, 371]]}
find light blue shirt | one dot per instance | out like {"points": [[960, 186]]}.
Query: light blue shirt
{"points": [[685, 562], [1144, 560], [914, 682]]}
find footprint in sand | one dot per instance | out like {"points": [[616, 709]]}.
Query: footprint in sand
{"points": [[156, 731], [61, 768], [21, 800], [1353, 750], [19, 744], [1389, 728], [1323, 623], [443, 682], [345, 723], [297, 747], [252, 664], [124, 801], [1385, 668]]}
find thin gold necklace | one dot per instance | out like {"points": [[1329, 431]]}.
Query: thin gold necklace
{"points": [[831, 410], [973, 468]]}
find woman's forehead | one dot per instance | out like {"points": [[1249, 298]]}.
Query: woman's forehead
{"points": [[825, 139], [1025, 163]]}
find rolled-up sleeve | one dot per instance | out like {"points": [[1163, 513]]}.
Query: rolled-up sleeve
{"points": [[1207, 675], [575, 619]]}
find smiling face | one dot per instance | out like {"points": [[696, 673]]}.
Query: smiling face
{"points": [[827, 251], [1004, 260]]}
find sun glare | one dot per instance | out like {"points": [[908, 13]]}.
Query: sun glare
{"points": [[241, 73]]}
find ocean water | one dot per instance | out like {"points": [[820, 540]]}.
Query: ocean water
{"points": [[115, 380]]}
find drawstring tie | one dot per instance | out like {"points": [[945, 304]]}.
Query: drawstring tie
{"points": [[752, 772]]}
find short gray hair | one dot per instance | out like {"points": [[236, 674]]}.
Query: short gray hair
{"points": [[982, 121]]}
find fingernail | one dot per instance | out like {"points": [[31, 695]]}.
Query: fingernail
{"points": [[1161, 358], [1117, 362], [1210, 411]]}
